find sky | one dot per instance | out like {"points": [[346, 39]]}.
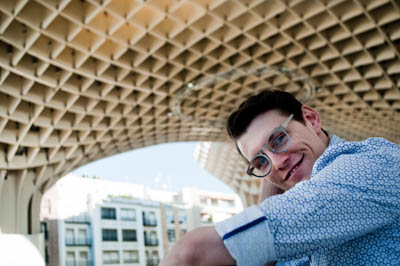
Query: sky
{"points": [[169, 166]]}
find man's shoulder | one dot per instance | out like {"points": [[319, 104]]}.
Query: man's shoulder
{"points": [[342, 153], [379, 142], [373, 148], [375, 145]]}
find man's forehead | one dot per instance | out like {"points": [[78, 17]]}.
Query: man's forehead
{"points": [[267, 121]]}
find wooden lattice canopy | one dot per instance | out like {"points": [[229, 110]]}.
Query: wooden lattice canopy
{"points": [[84, 79]]}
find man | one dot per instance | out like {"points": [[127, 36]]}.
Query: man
{"points": [[342, 199]]}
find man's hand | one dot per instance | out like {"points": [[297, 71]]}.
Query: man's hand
{"points": [[202, 246]]}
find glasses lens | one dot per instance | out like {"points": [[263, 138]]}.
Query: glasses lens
{"points": [[261, 165], [278, 141]]}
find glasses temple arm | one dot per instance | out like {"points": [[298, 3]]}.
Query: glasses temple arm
{"points": [[284, 125]]}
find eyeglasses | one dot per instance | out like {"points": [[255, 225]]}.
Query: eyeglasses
{"points": [[278, 141]]}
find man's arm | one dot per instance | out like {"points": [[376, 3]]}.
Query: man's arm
{"points": [[267, 190], [202, 246]]}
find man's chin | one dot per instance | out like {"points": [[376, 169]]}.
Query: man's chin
{"points": [[284, 187]]}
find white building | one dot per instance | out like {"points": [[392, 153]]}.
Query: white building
{"points": [[214, 206], [97, 222], [127, 232], [193, 208]]}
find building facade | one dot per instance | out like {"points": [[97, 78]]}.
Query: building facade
{"points": [[127, 232], [90, 222]]}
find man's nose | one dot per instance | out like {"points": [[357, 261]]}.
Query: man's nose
{"points": [[279, 160]]}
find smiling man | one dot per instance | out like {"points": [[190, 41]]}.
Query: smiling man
{"points": [[342, 199], [290, 158]]}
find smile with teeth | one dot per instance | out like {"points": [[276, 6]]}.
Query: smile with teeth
{"points": [[294, 169]]}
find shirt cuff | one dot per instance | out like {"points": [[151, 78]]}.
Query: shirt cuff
{"points": [[247, 237]]}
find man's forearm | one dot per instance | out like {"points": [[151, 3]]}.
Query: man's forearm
{"points": [[202, 246]]}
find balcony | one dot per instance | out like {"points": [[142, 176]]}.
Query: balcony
{"points": [[150, 242], [149, 222], [79, 263], [128, 219], [78, 220], [152, 262], [77, 242], [111, 261], [131, 261]]}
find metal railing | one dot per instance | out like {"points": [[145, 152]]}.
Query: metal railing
{"points": [[79, 263], [128, 219], [152, 262], [131, 261], [149, 222], [150, 242], [114, 261], [78, 242], [78, 219]]}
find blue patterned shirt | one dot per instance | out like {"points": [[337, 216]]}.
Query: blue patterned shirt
{"points": [[346, 214]]}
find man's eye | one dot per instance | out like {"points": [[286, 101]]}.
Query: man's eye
{"points": [[260, 163], [277, 140]]}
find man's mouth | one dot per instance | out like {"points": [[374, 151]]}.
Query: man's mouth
{"points": [[291, 172]]}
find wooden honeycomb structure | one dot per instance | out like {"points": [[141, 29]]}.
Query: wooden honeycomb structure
{"points": [[85, 79]]}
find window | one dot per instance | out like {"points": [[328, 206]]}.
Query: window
{"points": [[46, 254], [82, 237], [129, 235], [83, 259], [128, 215], [110, 235], [131, 256], [110, 257], [69, 237], [171, 235], [181, 216], [108, 214], [153, 235], [170, 218], [43, 229], [149, 219], [150, 239], [70, 261], [169, 214], [153, 259]]}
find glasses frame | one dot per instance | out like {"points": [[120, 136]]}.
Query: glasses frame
{"points": [[261, 153]]}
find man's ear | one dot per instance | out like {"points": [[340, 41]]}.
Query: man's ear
{"points": [[312, 118]]}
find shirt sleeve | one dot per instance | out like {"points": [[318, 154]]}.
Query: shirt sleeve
{"points": [[350, 197], [248, 233]]}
